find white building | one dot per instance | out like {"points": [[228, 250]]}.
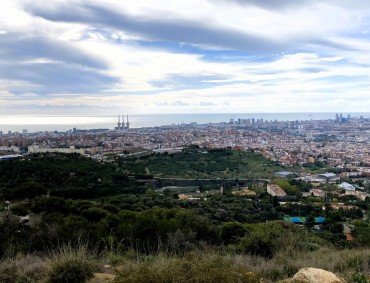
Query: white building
{"points": [[38, 149], [346, 186], [275, 190]]}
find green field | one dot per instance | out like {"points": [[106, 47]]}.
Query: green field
{"points": [[201, 163]]}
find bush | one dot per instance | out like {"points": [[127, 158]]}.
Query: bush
{"points": [[262, 239], [231, 231], [360, 278], [50, 205], [268, 239], [94, 214], [20, 209], [71, 265]]}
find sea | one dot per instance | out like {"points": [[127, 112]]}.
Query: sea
{"points": [[65, 123]]}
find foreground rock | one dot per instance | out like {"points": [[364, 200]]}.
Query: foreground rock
{"points": [[315, 275]]}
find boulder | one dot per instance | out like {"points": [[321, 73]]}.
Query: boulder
{"points": [[315, 275]]}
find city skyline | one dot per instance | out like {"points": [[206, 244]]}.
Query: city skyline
{"points": [[103, 57], [18, 124]]}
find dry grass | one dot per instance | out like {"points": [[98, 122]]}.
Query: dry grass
{"points": [[65, 264], [213, 267], [27, 268], [69, 264], [344, 262], [190, 268], [72, 264]]}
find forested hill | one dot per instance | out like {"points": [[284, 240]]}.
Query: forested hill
{"points": [[73, 214], [62, 175]]}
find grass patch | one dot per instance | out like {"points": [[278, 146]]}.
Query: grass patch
{"points": [[190, 268], [69, 264], [200, 163], [212, 266], [27, 268], [72, 265]]}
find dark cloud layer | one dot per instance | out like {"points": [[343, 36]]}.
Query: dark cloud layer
{"points": [[23, 47], [179, 31], [56, 78], [68, 69], [190, 32]]}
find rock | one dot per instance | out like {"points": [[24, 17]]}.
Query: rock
{"points": [[315, 275]]}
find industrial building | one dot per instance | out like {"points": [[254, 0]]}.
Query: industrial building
{"points": [[121, 125]]}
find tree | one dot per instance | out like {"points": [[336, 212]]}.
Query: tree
{"points": [[30, 190], [231, 231], [310, 222], [50, 205]]}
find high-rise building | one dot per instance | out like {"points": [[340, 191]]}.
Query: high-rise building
{"points": [[1, 134], [25, 132]]}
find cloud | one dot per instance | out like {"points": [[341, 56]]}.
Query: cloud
{"points": [[28, 48], [161, 29], [183, 56], [273, 4]]}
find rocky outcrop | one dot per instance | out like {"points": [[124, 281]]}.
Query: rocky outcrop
{"points": [[315, 275]]}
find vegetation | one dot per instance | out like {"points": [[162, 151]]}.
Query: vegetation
{"points": [[193, 266], [195, 163], [70, 264], [60, 201]]}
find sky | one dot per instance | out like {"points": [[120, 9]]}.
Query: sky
{"points": [[103, 57]]}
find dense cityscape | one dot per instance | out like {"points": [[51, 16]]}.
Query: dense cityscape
{"points": [[340, 142]]}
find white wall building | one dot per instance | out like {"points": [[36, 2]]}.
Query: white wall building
{"points": [[346, 186]]}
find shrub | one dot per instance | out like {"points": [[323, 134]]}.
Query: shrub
{"points": [[268, 239], [71, 265], [231, 231], [50, 205], [20, 209], [95, 214], [360, 278], [261, 241]]}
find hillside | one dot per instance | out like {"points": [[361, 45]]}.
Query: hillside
{"points": [[67, 214]]}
